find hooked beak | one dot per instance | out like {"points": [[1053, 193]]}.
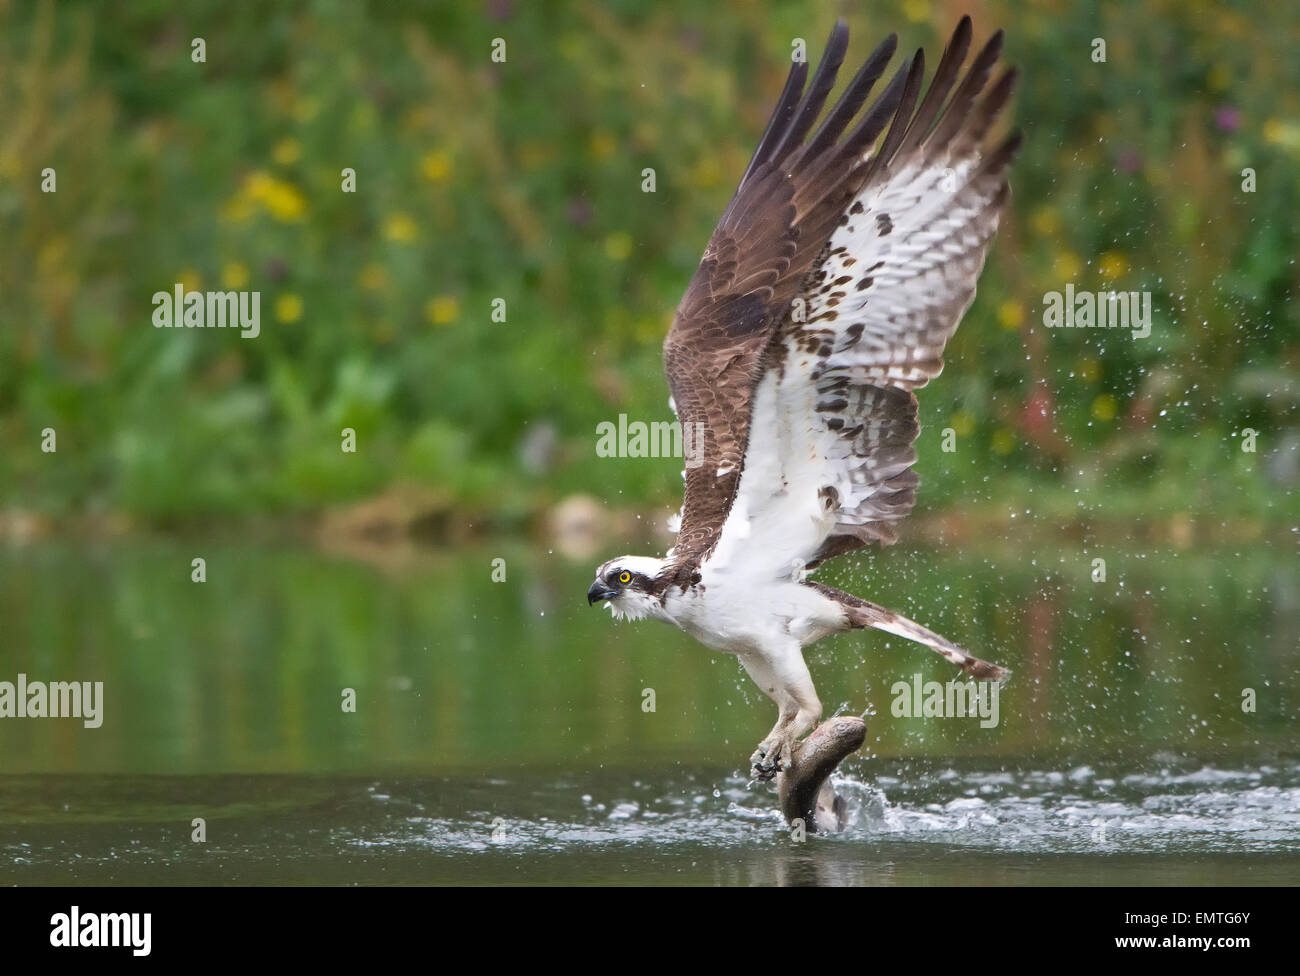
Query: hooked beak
{"points": [[599, 591]]}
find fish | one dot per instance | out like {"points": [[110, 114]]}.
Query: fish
{"points": [[804, 790]]}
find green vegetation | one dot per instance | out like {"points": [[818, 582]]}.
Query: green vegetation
{"points": [[521, 181]]}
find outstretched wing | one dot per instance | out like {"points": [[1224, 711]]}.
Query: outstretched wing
{"points": [[769, 238], [828, 467]]}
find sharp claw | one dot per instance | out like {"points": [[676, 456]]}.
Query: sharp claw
{"points": [[766, 762]]}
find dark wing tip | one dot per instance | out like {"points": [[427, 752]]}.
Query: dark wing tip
{"points": [[782, 114], [985, 671], [963, 31], [837, 45], [1006, 83], [915, 74], [994, 45]]}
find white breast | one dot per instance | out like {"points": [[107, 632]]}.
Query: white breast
{"points": [[742, 614]]}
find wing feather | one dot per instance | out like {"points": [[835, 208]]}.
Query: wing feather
{"points": [[834, 413], [770, 235]]}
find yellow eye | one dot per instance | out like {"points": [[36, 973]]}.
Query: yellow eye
{"points": [[625, 577]]}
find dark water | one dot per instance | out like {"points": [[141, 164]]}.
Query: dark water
{"points": [[500, 732]]}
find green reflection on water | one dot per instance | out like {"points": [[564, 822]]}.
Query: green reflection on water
{"points": [[453, 672]]}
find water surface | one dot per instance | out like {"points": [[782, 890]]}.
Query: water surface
{"points": [[501, 731]]}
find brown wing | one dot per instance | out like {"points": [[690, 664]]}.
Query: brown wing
{"points": [[896, 278], [771, 234]]}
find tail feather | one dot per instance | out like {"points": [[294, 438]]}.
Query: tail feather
{"points": [[862, 613]]}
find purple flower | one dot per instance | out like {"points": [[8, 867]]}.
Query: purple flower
{"points": [[1227, 118], [578, 212]]}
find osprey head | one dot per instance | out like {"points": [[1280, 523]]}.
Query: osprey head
{"points": [[626, 584]]}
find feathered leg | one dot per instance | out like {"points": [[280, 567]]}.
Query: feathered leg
{"points": [[862, 613], [784, 678]]}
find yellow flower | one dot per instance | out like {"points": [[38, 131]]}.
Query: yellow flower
{"points": [[1112, 265], [1104, 407], [288, 308], [284, 202], [442, 310], [287, 152], [400, 227], [436, 166], [601, 144], [255, 185], [962, 423], [1011, 314], [917, 11], [1286, 134], [1046, 221], [234, 275], [190, 279], [373, 277], [1004, 442], [1066, 267], [618, 246]]}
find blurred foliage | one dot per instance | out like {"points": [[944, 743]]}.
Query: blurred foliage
{"points": [[522, 181]]}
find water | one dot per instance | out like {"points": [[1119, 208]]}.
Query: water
{"points": [[501, 732]]}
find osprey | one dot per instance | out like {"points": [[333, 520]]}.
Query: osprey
{"points": [[824, 298]]}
